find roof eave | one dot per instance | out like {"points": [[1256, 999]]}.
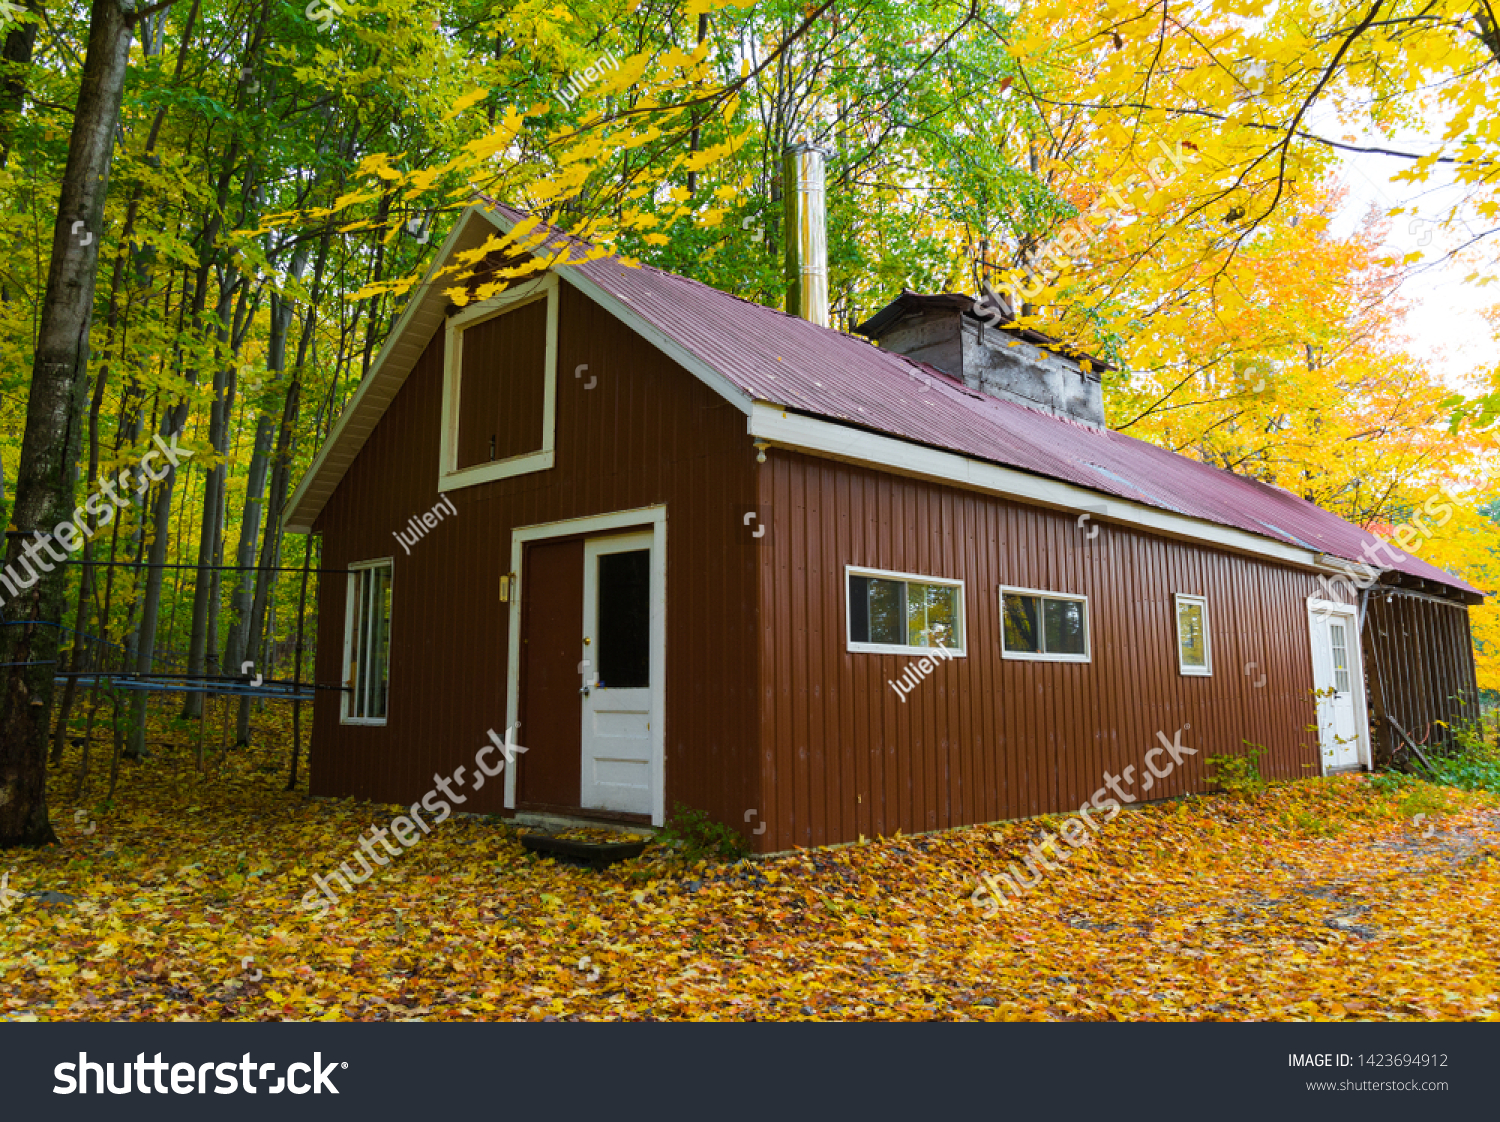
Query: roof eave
{"points": [[780, 426]]}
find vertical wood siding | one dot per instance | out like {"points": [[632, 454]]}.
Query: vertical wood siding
{"points": [[1419, 654], [768, 715], [985, 738], [647, 433]]}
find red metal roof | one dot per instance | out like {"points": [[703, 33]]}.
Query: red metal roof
{"points": [[786, 361]]}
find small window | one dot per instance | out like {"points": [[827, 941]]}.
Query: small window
{"points": [[367, 643], [1193, 656], [1047, 626], [624, 608], [1340, 657], [895, 613]]}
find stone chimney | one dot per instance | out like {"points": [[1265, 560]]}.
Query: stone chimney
{"points": [[977, 342]]}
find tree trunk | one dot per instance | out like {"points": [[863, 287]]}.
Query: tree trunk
{"points": [[248, 606], [265, 582], [208, 250], [291, 779], [213, 501], [54, 413], [281, 468], [145, 650], [20, 41], [212, 666], [81, 652], [79, 646]]}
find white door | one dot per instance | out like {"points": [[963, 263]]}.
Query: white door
{"points": [[621, 675], [1335, 657]]}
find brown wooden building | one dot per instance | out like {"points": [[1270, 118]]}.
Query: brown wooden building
{"points": [[694, 550]]}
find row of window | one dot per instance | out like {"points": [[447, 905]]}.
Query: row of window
{"points": [[889, 613], [898, 613]]}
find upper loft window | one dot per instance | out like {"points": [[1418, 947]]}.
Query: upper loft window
{"points": [[500, 386], [898, 613], [1044, 626], [1193, 654]]}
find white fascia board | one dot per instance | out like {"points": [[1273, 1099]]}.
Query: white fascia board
{"points": [[622, 311], [778, 427], [378, 375]]}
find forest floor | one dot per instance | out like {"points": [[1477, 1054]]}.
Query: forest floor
{"points": [[1323, 899]]}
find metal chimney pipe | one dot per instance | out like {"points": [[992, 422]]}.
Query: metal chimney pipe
{"points": [[806, 233]]}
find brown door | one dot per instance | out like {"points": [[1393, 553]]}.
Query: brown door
{"points": [[550, 772]]}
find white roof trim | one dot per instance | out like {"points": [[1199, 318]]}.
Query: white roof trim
{"points": [[830, 439]]}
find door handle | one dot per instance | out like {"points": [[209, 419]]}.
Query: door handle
{"points": [[584, 691]]}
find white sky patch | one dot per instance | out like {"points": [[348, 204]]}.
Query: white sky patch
{"points": [[1446, 326]]}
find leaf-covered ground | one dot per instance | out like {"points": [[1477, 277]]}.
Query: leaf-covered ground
{"points": [[1323, 899]]}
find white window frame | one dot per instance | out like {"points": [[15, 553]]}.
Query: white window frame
{"points": [[350, 609], [1207, 669], [1347, 670], [893, 648], [450, 475], [1031, 656]]}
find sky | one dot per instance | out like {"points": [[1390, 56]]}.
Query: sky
{"points": [[1446, 324]]}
